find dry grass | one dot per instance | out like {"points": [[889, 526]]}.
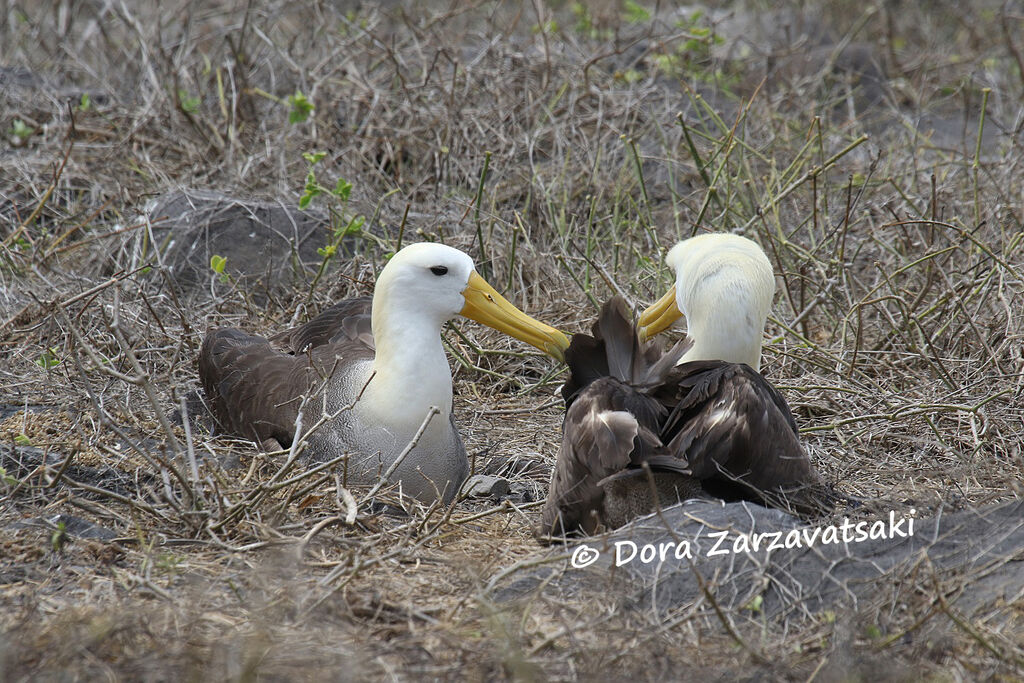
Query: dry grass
{"points": [[875, 153]]}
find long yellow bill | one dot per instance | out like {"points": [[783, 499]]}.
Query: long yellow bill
{"points": [[485, 305], [660, 315]]}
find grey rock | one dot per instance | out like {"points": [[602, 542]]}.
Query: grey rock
{"points": [[76, 527], [481, 485], [983, 548], [268, 246]]}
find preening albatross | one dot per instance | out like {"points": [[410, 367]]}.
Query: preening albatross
{"points": [[384, 358], [645, 428]]}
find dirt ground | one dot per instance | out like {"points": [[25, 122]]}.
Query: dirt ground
{"points": [[874, 150]]}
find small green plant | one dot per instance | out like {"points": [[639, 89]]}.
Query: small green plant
{"points": [[189, 104], [344, 224], [313, 189], [168, 563], [585, 23], [691, 58], [6, 478], [547, 27], [755, 604], [58, 538], [21, 131], [84, 103], [635, 13], [48, 359], [301, 107], [217, 264], [22, 440]]}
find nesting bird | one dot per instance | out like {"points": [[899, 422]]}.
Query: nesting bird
{"points": [[365, 374], [646, 429]]}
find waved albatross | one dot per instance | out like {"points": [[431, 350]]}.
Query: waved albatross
{"points": [[645, 429], [384, 357]]}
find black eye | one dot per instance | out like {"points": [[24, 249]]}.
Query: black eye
{"points": [[439, 270]]}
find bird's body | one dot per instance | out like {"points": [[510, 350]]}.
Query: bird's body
{"points": [[645, 429], [366, 375]]}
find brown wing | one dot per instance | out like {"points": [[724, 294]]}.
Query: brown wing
{"points": [[601, 435], [345, 320], [611, 421], [255, 391], [736, 433], [725, 430]]}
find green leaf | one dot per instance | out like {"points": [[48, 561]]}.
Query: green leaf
{"points": [[6, 478], [301, 108], [188, 103], [84, 103], [48, 359], [355, 225], [58, 538], [22, 440], [634, 12], [313, 157], [342, 190], [20, 130], [217, 263], [547, 27], [312, 189]]}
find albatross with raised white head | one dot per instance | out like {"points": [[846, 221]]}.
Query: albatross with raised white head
{"points": [[646, 428]]}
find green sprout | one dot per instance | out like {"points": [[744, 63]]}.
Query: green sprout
{"points": [[21, 131], [547, 27], [345, 223], [217, 263], [58, 538], [311, 191], [189, 104], [634, 12], [48, 359], [755, 604], [301, 107]]}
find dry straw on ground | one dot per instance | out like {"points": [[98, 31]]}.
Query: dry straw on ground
{"points": [[874, 150]]}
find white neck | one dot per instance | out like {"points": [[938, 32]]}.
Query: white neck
{"points": [[410, 366], [731, 332]]}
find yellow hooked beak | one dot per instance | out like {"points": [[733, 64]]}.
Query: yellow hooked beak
{"points": [[485, 305], [660, 315]]}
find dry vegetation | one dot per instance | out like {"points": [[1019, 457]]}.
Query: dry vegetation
{"points": [[874, 150]]}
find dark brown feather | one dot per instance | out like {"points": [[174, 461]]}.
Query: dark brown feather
{"points": [[255, 391], [704, 427], [345, 320]]}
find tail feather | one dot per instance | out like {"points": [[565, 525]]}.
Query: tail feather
{"points": [[614, 349]]}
